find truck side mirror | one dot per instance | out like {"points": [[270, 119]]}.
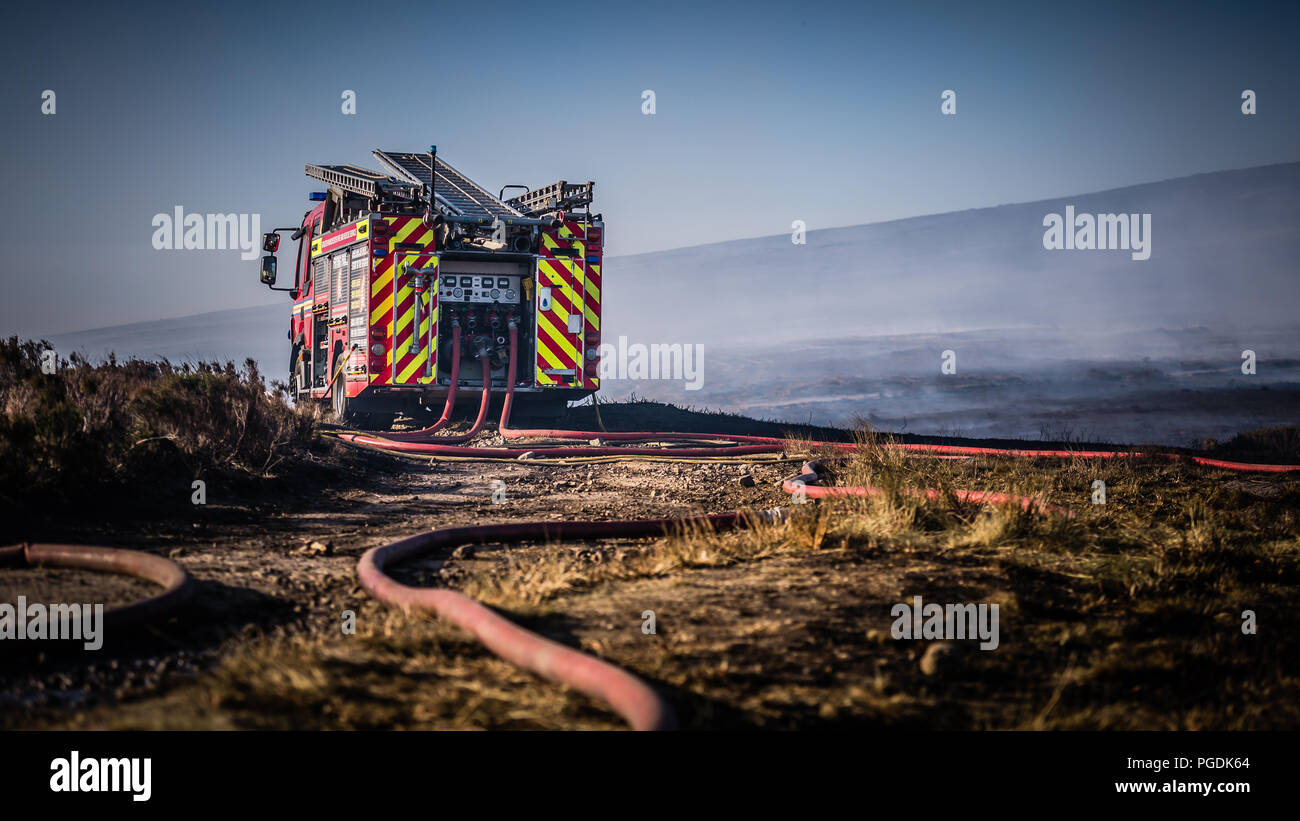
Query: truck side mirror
{"points": [[271, 242], [268, 270]]}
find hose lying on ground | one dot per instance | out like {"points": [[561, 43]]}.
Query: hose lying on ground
{"points": [[808, 484], [631, 698], [176, 583]]}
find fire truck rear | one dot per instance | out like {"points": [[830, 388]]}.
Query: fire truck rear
{"points": [[397, 271]]}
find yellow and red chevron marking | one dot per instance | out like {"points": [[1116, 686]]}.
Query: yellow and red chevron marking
{"points": [[570, 228], [557, 348], [385, 287], [585, 279], [564, 242], [591, 317], [568, 247]]}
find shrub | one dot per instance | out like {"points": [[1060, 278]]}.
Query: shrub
{"points": [[116, 424]]}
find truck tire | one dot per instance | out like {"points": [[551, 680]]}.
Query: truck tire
{"points": [[339, 402], [299, 377]]}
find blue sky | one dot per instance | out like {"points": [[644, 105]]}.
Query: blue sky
{"points": [[766, 113]]}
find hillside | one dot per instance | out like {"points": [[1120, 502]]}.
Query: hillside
{"points": [[1224, 251]]}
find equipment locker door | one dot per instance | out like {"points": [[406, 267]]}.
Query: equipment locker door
{"points": [[559, 310], [415, 317]]}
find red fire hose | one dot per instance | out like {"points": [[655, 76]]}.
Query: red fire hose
{"points": [[768, 444], [448, 405], [808, 483], [419, 443], [176, 583], [423, 440], [484, 401], [631, 698]]}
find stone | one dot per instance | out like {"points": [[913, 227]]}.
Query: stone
{"points": [[940, 658]]}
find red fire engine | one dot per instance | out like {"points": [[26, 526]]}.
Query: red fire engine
{"points": [[400, 275]]}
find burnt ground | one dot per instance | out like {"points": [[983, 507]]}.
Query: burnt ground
{"points": [[781, 630]]}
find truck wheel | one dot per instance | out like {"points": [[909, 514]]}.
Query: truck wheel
{"points": [[339, 400], [300, 378]]}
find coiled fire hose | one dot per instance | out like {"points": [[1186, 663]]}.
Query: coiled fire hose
{"points": [[176, 583]]}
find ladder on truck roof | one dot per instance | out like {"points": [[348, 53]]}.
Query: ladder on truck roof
{"points": [[558, 196], [364, 182], [452, 188]]}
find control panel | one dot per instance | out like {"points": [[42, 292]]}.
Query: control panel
{"points": [[478, 288]]}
